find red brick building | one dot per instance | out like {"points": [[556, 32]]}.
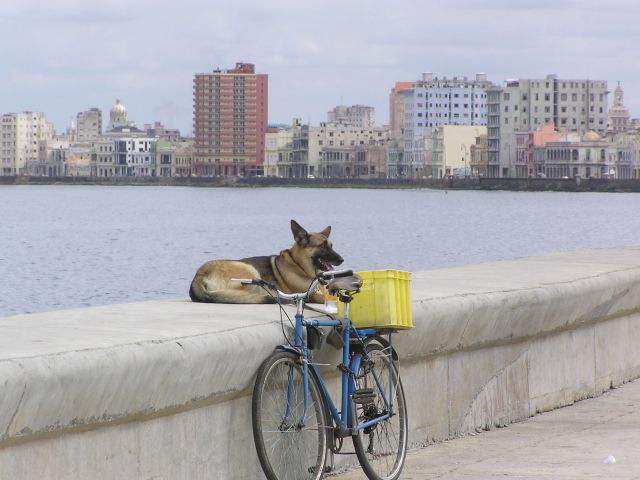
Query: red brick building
{"points": [[230, 110]]}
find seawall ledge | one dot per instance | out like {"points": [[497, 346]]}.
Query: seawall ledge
{"points": [[81, 369]]}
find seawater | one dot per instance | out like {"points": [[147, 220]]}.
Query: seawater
{"points": [[72, 246]]}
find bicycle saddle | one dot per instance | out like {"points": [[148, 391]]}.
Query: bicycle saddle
{"points": [[349, 284]]}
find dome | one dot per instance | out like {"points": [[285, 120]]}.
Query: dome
{"points": [[119, 107], [591, 136]]}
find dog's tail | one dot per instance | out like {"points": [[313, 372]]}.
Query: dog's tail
{"points": [[227, 295]]}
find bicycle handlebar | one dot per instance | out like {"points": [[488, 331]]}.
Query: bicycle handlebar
{"points": [[331, 274], [322, 278]]}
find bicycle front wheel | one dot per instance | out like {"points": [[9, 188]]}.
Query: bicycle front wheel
{"points": [[382, 447], [289, 446]]}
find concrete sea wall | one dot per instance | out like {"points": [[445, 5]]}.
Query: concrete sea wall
{"points": [[479, 183], [162, 389]]}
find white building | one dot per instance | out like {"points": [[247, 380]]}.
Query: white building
{"points": [[22, 136], [437, 101], [135, 156], [278, 150], [360, 116]]}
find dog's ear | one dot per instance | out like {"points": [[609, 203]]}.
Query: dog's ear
{"points": [[326, 232], [299, 234]]}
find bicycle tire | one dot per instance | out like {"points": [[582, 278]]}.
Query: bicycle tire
{"points": [[382, 448], [285, 450]]}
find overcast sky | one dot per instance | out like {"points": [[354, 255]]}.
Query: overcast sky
{"points": [[64, 56]]}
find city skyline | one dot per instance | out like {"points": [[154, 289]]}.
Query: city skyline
{"points": [[68, 57]]}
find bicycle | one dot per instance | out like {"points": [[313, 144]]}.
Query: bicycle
{"points": [[297, 426]]}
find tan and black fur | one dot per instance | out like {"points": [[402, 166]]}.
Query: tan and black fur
{"points": [[291, 271]]}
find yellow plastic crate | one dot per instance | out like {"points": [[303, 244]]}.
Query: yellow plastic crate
{"points": [[384, 301]]}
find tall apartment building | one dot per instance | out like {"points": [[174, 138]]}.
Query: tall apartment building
{"points": [[21, 138], [437, 101], [230, 109], [396, 108], [89, 125], [526, 104], [360, 116]]}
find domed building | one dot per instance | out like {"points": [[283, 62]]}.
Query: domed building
{"points": [[591, 136], [118, 117]]}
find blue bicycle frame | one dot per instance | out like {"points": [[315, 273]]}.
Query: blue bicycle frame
{"points": [[345, 419]]}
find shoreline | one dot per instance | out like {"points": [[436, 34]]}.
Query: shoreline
{"points": [[508, 184]]}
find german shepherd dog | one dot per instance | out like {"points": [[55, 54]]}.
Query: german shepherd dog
{"points": [[291, 271]]}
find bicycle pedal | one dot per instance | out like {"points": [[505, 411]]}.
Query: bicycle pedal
{"points": [[364, 396]]}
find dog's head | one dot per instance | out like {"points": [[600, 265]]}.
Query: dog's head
{"points": [[316, 247]]}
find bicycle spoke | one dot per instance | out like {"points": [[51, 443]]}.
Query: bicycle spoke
{"points": [[382, 448], [287, 449]]}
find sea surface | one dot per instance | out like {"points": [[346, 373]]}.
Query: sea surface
{"points": [[72, 246]]}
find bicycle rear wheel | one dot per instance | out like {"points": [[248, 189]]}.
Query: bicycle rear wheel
{"points": [[381, 448], [288, 449]]}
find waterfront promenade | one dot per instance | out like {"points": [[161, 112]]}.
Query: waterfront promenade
{"points": [[568, 443]]}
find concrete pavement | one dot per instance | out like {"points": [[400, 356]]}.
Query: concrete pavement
{"points": [[569, 443]]}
